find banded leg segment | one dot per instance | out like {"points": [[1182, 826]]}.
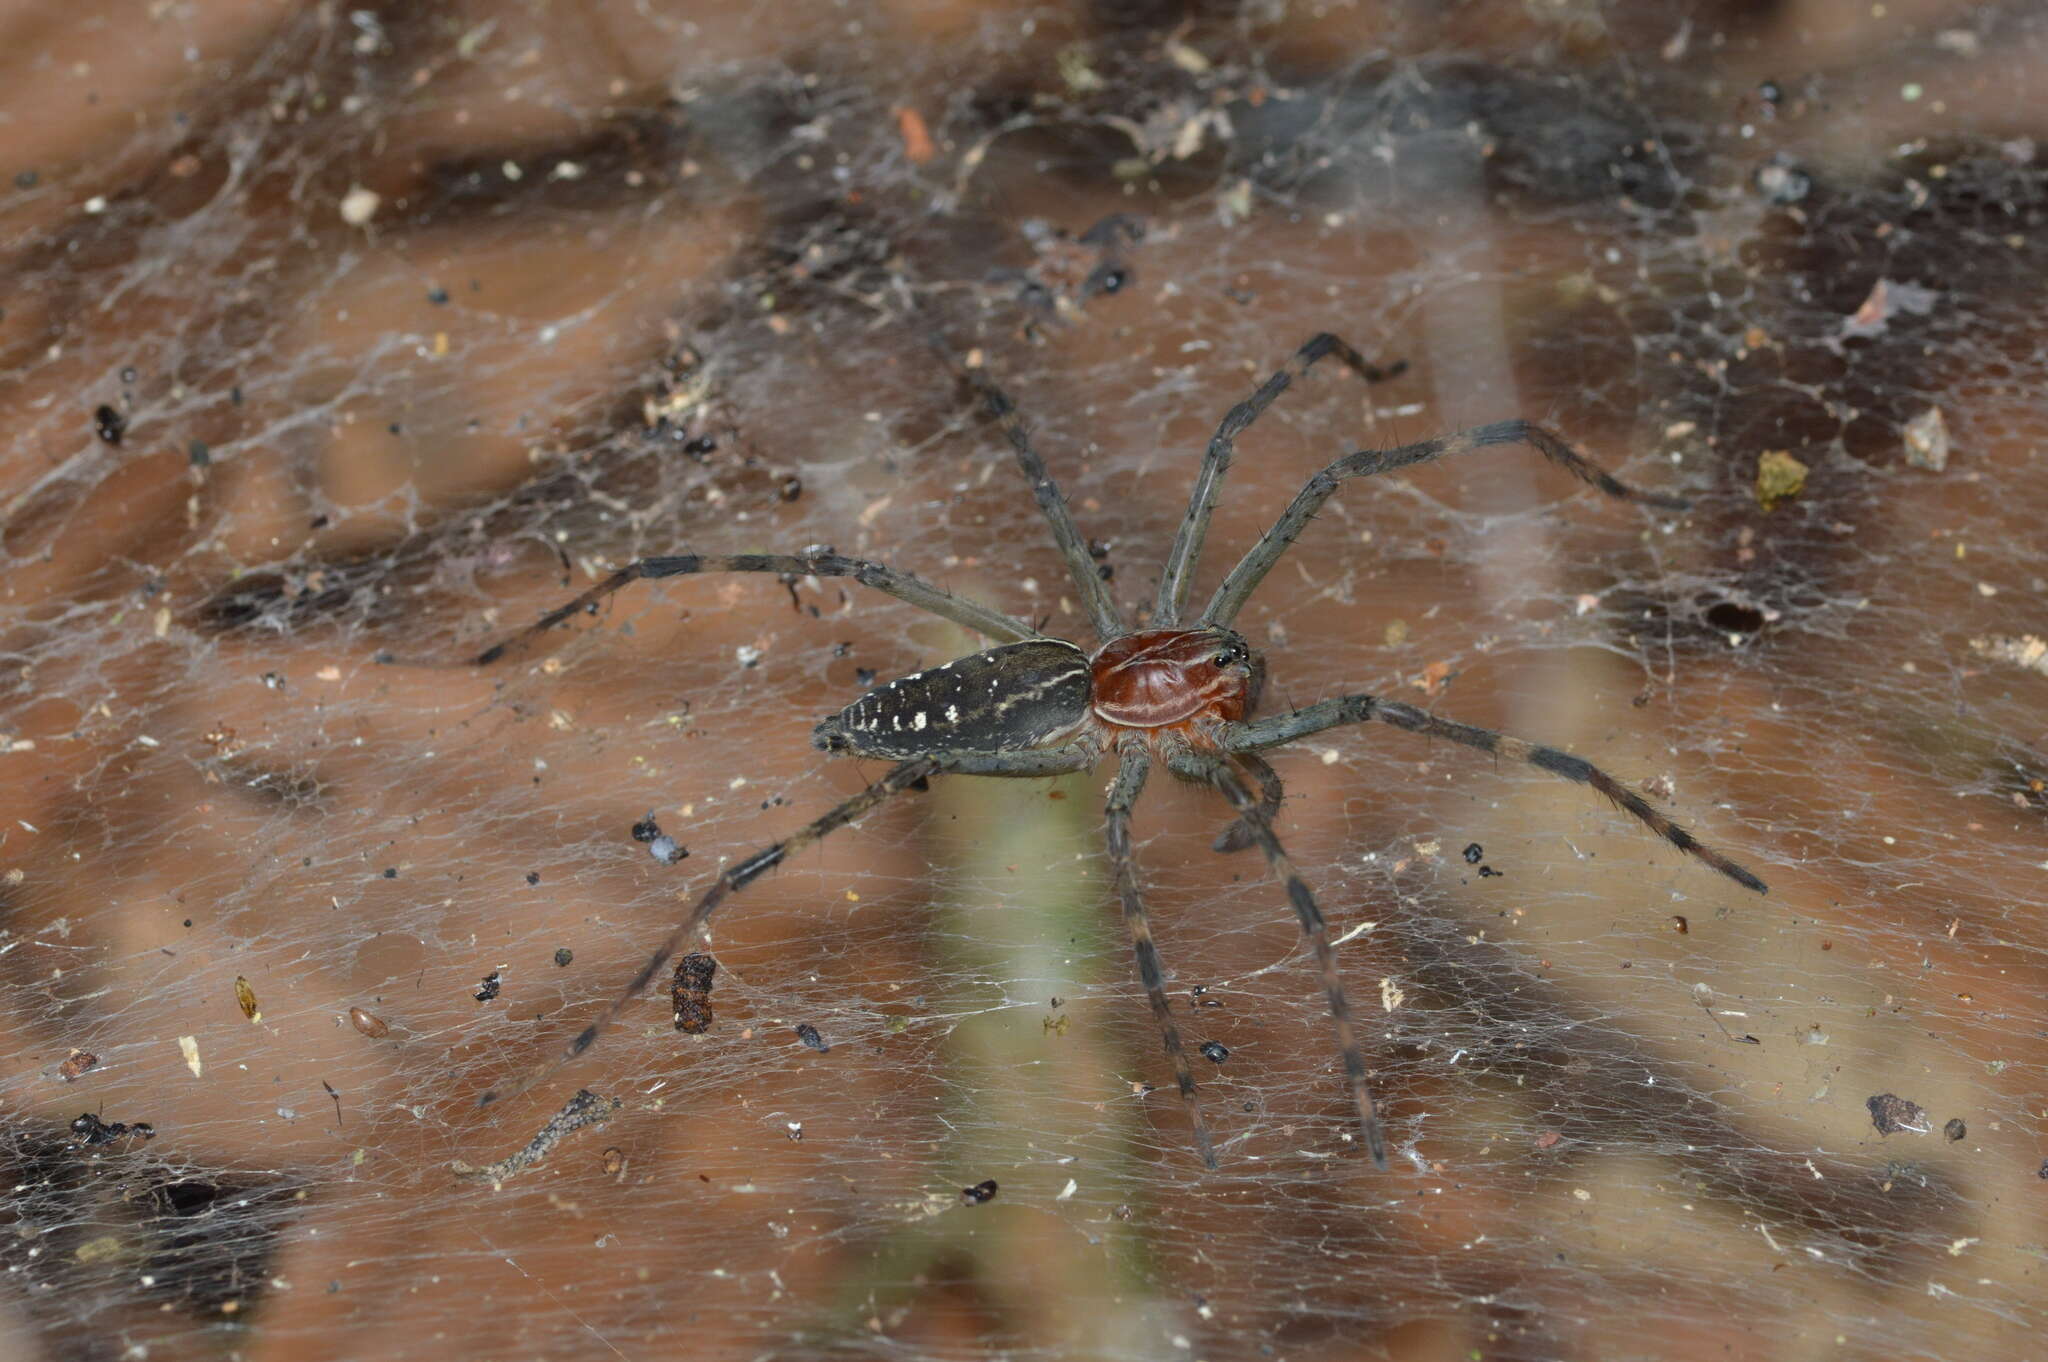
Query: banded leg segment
{"points": [[1356, 709], [908, 775], [1130, 779], [1244, 579], [1052, 503], [1219, 772], [902, 585], [1194, 528]]}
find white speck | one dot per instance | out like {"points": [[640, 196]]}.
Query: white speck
{"points": [[747, 654], [917, 722], [1068, 1191], [359, 205], [952, 714], [1329, 756]]}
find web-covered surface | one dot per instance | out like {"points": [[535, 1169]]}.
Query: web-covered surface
{"points": [[409, 323]]}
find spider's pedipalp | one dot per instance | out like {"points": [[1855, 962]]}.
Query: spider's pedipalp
{"points": [[1123, 793], [1181, 559], [1238, 835], [822, 562], [1242, 580], [1355, 709]]}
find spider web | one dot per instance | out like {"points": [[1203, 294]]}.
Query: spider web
{"points": [[342, 342]]}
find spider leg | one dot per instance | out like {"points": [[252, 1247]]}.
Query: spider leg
{"points": [[1102, 611], [1355, 709], [1244, 579], [1130, 780], [1217, 771], [908, 775], [1238, 835], [1194, 528], [821, 563]]}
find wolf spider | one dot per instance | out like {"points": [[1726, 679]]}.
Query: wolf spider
{"points": [[1180, 694]]}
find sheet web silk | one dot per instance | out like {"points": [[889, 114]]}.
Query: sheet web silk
{"points": [[340, 344]]}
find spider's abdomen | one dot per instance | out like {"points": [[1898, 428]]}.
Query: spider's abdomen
{"points": [[1008, 699]]}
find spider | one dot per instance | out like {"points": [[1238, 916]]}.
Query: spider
{"points": [[1179, 694]]}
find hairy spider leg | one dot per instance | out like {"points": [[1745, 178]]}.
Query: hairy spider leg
{"points": [[1181, 559], [1355, 709], [903, 586], [1244, 579], [1217, 771], [1102, 611], [1123, 793], [908, 775]]}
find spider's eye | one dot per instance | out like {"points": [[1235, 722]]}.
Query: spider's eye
{"points": [[1229, 657]]}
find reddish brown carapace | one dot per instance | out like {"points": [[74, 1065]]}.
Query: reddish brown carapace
{"points": [[1172, 679]]}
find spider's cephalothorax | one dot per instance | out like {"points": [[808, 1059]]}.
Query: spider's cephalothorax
{"points": [[1181, 695], [1177, 680], [1027, 695]]}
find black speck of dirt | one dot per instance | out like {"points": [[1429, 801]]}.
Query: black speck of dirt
{"points": [[864, 675], [533, 877], [1487, 872], [1731, 618], [91, 1130], [792, 488], [199, 455], [1473, 852], [808, 1034], [1215, 1051], [563, 957], [2043, 1174], [24, 179], [841, 649], [1955, 1129], [646, 830], [983, 1192], [490, 989], [1891, 1113], [390, 872], [437, 296], [109, 425]]}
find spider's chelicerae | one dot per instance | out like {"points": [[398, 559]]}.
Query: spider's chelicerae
{"points": [[1178, 692]]}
